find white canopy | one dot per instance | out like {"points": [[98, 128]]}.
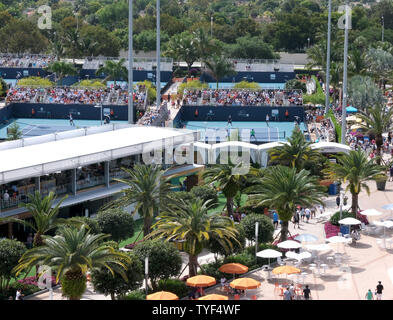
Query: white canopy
{"points": [[349, 221], [318, 247], [386, 223], [330, 147], [337, 239], [269, 253], [371, 212], [289, 244]]}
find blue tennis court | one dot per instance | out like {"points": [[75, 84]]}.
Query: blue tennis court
{"points": [[36, 127], [264, 132]]}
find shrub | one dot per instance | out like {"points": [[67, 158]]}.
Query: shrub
{"points": [[295, 84], [32, 281], [194, 84], [211, 269], [164, 259], [35, 81], [27, 289], [134, 295], [205, 193], [331, 230], [247, 85], [151, 90], [336, 217], [91, 83], [238, 245], [243, 258], [262, 246], [175, 286], [116, 222], [265, 229]]}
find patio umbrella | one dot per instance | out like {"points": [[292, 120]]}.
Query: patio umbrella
{"points": [[306, 237], [245, 283], [318, 247], [351, 109], [162, 295], [213, 296], [355, 127], [349, 222], [234, 268], [371, 213], [337, 239], [201, 281], [388, 206], [289, 244], [269, 253], [286, 270], [351, 118], [384, 224]]}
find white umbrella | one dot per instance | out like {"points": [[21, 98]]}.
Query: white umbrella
{"points": [[371, 213], [337, 239], [384, 224], [269, 253], [292, 255], [289, 244], [304, 255], [349, 221], [318, 247], [305, 237]]}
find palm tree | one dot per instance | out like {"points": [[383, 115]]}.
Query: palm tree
{"points": [[148, 191], [113, 70], [44, 215], [363, 92], [190, 222], [219, 67], [71, 254], [14, 132], [379, 65], [378, 120], [228, 179], [283, 189], [295, 153], [62, 69], [355, 169]]}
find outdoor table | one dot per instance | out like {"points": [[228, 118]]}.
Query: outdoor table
{"points": [[324, 266], [330, 259]]}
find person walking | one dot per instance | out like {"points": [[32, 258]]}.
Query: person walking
{"points": [[296, 220], [302, 214], [391, 173], [287, 294], [369, 295], [275, 219], [378, 291], [307, 212], [338, 201], [306, 293]]}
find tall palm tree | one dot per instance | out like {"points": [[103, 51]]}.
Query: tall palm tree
{"points": [[113, 70], [283, 189], [148, 191], [219, 67], [379, 65], [378, 120], [228, 179], [295, 153], [190, 222], [355, 169], [44, 214], [71, 254], [62, 69], [363, 92]]}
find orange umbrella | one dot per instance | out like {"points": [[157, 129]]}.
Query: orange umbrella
{"points": [[213, 297], [245, 283], [234, 268], [162, 295], [286, 270], [201, 281]]}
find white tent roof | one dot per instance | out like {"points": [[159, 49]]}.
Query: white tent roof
{"points": [[48, 157], [330, 147]]}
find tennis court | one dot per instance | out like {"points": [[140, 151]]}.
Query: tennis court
{"points": [[264, 132], [38, 127]]}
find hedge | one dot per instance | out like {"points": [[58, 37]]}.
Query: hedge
{"points": [[175, 286]]}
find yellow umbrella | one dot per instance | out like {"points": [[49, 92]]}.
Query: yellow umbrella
{"points": [[355, 126], [213, 297], [201, 281], [286, 270], [245, 283], [358, 120], [351, 118], [162, 295], [233, 268]]}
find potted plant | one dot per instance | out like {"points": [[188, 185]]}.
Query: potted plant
{"points": [[381, 178]]}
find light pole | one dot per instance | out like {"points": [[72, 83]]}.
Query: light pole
{"points": [[146, 273], [344, 102], [308, 40], [158, 70], [383, 27], [99, 106], [130, 66], [256, 238], [211, 26], [327, 82]]}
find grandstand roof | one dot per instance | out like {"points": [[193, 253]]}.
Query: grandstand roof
{"points": [[48, 157]]}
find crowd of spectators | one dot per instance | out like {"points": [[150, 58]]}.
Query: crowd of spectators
{"points": [[25, 61], [71, 95], [242, 97], [154, 116]]}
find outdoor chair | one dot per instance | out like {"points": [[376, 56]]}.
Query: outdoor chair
{"points": [[280, 262], [237, 297]]}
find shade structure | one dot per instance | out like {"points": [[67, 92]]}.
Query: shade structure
{"points": [[289, 244], [213, 296], [269, 253], [318, 247], [349, 221], [306, 237], [388, 206], [351, 119], [286, 270], [371, 213], [162, 295], [245, 283], [351, 109], [337, 239], [233, 268], [201, 281]]}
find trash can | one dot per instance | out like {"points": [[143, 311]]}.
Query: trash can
{"points": [[332, 189], [344, 229]]}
